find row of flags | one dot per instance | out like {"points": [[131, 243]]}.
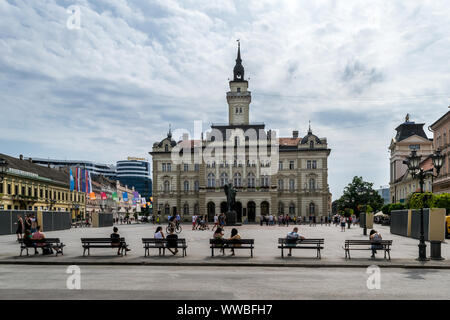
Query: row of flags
{"points": [[80, 181]]}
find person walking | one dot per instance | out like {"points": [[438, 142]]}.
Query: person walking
{"points": [[20, 227], [342, 220], [216, 221]]}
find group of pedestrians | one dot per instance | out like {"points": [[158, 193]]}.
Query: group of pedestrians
{"points": [[285, 220], [28, 224]]}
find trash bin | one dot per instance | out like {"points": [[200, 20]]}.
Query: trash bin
{"points": [[436, 250]]}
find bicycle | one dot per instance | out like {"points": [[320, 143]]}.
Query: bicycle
{"points": [[177, 228]]}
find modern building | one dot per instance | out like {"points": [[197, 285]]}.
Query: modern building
{"points": [[27, 186], [441, 135], [410, 136], [108, 171], [290, 178], [135, 172], [384, 192]]}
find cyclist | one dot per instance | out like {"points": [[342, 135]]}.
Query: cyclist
{"points": [[178, 219], [172, 224]]}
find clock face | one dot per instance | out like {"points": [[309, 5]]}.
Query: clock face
{"points": [[238, 75]]}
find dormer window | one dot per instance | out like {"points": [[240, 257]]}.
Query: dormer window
{"points": [[238, 89], [311, 144], [166, 148]]}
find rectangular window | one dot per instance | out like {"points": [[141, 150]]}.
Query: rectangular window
{"points": [[291, 165], [196, 167], [186, 167], [280, 165], [16, 189], [9, 189], [314, 164], [35, 192], [308, 164], [169, 167], [1, 187], [163, 167]]}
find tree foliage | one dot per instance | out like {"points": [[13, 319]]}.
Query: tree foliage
{"points": [[358, 195]]}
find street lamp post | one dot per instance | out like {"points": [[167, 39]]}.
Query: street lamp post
{"points": [[413, 163]]}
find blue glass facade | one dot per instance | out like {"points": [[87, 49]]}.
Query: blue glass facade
{"points": [[135, 173]]}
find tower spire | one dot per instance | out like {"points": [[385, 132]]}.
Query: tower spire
{"points": [[309, 129], [238, 70]]}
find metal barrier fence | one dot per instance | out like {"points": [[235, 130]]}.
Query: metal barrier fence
{"points": [[51, 220]]}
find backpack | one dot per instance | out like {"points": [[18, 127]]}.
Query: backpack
{"points": [[47, 250]]}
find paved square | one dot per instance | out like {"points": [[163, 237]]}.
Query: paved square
{"points": [[404, 250]]}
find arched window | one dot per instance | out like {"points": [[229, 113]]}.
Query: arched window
{"points": [[223, 179], [280, 208], [312, 184], [251, 180], [196, 210], [264, 181], [280, 184], [312, 208], [166, 186], [186, 185], [186, 209], [237, 179], [292, 209], [211, 180]]}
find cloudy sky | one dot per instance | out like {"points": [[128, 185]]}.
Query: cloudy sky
{"points": [[109, 89]]}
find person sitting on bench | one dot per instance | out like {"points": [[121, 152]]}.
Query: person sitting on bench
{"points": [[375, 236], [115, 240], [38, 235], [292, 238], [172, 240], [234, 236]]}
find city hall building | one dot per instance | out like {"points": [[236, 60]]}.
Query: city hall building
{"points": [[272, 175]]}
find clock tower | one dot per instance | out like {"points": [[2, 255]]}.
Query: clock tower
{"points": [[238, 97]]}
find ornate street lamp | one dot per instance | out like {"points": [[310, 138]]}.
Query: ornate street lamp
{"points": [[413, 163]]}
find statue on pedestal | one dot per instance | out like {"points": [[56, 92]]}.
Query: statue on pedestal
{"points": [[230, 192]]}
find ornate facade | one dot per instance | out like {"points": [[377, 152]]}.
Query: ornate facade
{"points": [[292, 177]]}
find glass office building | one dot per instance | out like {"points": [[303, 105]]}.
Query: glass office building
{"points": [[135, 173]]}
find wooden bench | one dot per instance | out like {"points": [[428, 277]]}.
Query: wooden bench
{"points": [[161, 244], [367, 245], [315, 244], [89, 243], [223, 244], [54, 243]]}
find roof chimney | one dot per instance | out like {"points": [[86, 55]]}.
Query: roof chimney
{"points": [[295, 134], [21, 157]]}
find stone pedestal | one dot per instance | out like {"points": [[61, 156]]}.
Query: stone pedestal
{"points": [[231, 218]]}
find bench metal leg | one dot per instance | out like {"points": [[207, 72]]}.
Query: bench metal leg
{"points": [[251, 250], [282, 253], [212, 252]]}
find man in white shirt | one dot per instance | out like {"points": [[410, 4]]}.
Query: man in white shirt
{"points": [[194, 219], [216, 222]]}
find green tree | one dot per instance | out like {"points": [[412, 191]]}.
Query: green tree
{"points": [[441, 201], [358, 194], [421, 200]]}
